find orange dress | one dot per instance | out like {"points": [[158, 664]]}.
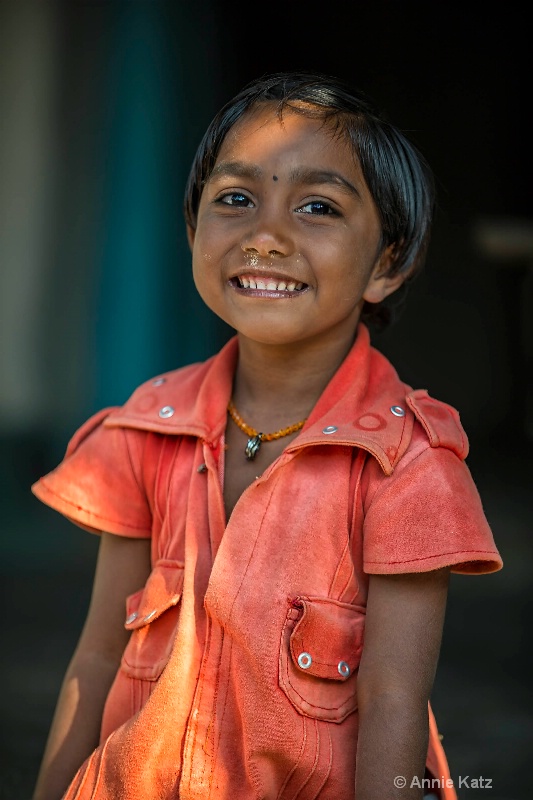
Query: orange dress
{"points": [[240, 677]]}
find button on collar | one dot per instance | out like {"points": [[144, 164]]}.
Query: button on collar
{"points": [[330, 429], [166, 412], [398, 411]]}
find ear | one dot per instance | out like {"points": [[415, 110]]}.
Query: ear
{"points": [[191, 233], [380, 285]]}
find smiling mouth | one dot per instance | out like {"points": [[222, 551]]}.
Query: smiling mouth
{"points": [[265, 283]]}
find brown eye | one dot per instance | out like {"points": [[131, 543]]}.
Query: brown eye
{"points": [[317, 208], [235, 199]]}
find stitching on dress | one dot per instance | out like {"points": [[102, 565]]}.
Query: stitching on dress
{"points": [[298, 760], [436, 555], [97, 782], [314, 766]]}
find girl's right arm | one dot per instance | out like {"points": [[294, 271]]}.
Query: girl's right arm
{"points": [[122, 568]]}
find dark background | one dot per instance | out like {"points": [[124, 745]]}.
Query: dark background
{"points": [[102, 107]]}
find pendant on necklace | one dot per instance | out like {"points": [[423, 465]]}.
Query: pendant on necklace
{"points": [[254, 443]]}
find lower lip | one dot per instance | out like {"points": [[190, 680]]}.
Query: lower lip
{"points": [[268, 293]]}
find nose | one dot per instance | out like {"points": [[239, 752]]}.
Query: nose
{"points": [[267, 236]]}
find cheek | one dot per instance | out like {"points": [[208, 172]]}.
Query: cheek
{"points": [[205, 252], [201, 272], [206, 278], [202, 255]]}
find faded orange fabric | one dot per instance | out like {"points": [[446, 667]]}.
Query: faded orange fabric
{"points": [[240, 676]]}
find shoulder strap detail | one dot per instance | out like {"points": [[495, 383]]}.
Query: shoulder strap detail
{"points": [[440, 421]]}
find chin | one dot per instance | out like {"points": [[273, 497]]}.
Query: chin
{"points": [[272, 335]]}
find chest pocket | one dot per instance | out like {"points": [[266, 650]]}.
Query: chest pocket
{"points": [[152, 616], [320, 651]]}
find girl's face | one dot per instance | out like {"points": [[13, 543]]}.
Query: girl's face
{"points": [[287, 243]]}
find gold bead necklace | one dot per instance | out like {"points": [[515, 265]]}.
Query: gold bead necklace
{"points": [[255, 437]]}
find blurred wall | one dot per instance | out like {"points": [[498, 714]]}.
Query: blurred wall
{"points": [[100, 122], [29, 88]]}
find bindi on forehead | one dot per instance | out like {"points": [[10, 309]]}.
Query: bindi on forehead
{"points": [[274, 177]]}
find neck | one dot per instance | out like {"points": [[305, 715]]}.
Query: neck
{"points": [[284, 381]]}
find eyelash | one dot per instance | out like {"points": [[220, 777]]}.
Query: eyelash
{"points": [[329, 210], [223, 198]]}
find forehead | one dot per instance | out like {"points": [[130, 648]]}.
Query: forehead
{"points": [[261, 137]]}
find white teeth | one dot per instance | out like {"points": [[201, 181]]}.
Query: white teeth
{"points": [[269, 284]]}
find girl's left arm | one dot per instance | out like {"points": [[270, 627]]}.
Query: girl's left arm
{"points": [[403, 632]]}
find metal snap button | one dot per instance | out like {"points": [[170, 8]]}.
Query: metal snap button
{"points": [[344, 669], [330, 429], [159, 381], [201, 468], [304, 660], [166, 411], [131, 618], [398, 411], [149, 616]]}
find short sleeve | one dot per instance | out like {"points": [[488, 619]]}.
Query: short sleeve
{"points": [[427, 515], [98, 484]]}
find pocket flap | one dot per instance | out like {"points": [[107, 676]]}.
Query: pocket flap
{"points": [[327, 640], [161, 591]]}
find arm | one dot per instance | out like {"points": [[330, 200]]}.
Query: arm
{"points": [[123, 566], [403, 631]]}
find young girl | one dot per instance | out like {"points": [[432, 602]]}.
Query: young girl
{"points": [[277, 524]]}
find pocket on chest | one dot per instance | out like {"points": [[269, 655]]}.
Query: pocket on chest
{"points": [[320, 651], [152, 616]]}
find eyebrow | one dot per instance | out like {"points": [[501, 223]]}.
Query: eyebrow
{"points": [[303, 175], [236, 169], [319, 176]]}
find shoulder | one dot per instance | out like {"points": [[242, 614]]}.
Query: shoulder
{"points": [[432, 434], [434, 441], [427, 513]]}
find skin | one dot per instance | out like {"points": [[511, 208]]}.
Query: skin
{"points": [[286, 202]]}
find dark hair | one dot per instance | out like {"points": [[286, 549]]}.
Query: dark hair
{"points": [[398, 177]]}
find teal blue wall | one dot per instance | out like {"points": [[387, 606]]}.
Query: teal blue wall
{"points": [[148, 316]]}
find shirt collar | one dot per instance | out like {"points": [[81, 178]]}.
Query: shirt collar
{"points": [[363, 404]]}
